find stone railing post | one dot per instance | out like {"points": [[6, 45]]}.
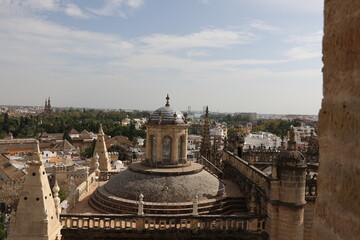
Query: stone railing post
{"points": [[87, 178], [140, 223], [196, 206], [194, 223], [141, 205]]}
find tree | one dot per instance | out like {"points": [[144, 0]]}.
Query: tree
{"points": [[62, 194], [118, 149], [2, 227]]}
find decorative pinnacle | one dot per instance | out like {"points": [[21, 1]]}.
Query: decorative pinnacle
{"points": [[291, 142], [101, 132], [167, 101]]}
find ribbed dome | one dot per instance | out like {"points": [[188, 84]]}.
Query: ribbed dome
{"points": [[167, 115], [160, 188]]}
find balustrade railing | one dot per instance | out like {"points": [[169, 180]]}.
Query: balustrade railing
{"points": [[105, 176], [257, 177], [311, 187], [163, 222]]}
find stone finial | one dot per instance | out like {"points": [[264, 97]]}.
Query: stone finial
{"points": [[72, 186], [36, 159], [167, 101], [196, 206], [141, 205], [291, 142], [101, 132], [96, 164], [56, 190]]}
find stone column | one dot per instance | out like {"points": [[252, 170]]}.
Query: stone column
{"points": [[175, 146], [148, 144], [159, 138], [337, 214], [184, 147]]}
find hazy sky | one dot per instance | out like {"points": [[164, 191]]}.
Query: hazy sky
{"points": [[234, 55]]}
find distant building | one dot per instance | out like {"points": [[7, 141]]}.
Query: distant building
{"points": [[47, 107]]}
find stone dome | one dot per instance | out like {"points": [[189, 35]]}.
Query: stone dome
{"points": [[167, 115], [291, 158], [164, 189]]}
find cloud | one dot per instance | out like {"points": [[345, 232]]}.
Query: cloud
{"points": [[23, 38], [203, 1], [74, 11], [260, 25], [304, 52], [116, 7], [315, 37], [210, 38], [198, 53], [42, 5], [308, 46], [297, 6]]}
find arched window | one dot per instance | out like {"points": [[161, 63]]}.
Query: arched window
{"points": [[180, 147], [166, 149], [153, 148]]}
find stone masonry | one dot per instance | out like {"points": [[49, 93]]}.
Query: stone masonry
{"points": [[338, 202]]}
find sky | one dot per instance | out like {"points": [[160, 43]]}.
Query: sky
{"points": [[259, 56]]}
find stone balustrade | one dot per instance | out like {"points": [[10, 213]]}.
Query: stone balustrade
{"points": [[257, 177], [268, 155], [78, 194], [105, 176], [311, 188], [119, 222]]}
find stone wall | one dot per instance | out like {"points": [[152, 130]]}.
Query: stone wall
{"points": [[338, 201], [308, 219]]}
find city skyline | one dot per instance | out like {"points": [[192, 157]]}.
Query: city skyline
{"points": [[241, 56]]}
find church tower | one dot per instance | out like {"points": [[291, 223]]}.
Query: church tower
{"points": [[287, 194], [205, 149], [47, 107], [37, 217], [101, 150]]}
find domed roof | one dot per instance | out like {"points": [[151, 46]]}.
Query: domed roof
{"points": [[159, 188], [291, 157], [167, 115]]}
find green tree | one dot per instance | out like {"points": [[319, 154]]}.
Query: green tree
{"points": [[62, 194], [2, 227], [119, 149]]}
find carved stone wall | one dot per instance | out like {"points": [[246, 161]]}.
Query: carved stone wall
{"points": [[338, 201]]}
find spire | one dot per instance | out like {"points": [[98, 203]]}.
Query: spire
{"points": [[167, 101], [36, 200], [101, 150], [101, 131], [205, 148]]}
